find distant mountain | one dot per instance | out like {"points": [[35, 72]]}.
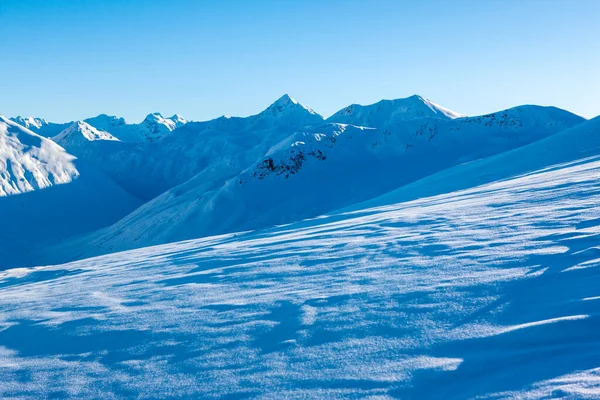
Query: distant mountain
{"points": [[387, 112], [148, 169], [79, 133], [30, 123], [320, 168], [152, 128], [47, 195], [29, 161], [577, 143], [283, 164], [40, 125]]}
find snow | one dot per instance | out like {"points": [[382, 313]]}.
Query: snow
{"points": [[578, 142], [29, 162], [466, 294], [47, 195], [224, 146], [40, 125], [304, 173], [80, 132], [30, 123], [388, 112], [152, 128], [397, 250]]}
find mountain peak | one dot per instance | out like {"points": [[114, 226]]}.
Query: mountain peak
{"points": [[155, 116], [105, 121], [171, 123], [80, 132], [31, 123], [386, 112], [287, 107], [286, 99]]}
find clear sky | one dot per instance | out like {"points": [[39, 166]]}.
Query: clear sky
{"points": [[71, 59]]}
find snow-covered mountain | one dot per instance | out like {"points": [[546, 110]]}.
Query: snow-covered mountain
{"points": [[284, 164], [387, 112], [40, 125], [29, 161], [31, 123], [448, 257], [152, 128], [321, 168], [46, 195], [79, 133], [578, 143], [233, 143]]}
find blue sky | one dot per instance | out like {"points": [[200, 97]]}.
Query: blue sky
{"points": [[65, 60]]}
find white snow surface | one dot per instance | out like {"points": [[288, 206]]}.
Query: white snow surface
{"points": [[29, 161], [487, 292]]}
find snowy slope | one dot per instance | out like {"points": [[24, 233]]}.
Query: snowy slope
{"points": [[35, 220], [152, 128], [30, 162], [46, 195], [320, 169], [387, 112], [80, 133], [490, 293], [583, 140]]}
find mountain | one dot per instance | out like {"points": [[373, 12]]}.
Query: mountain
{"points": [[489, 292], [320, 168], [79, 133], [29, 161], [40, 125], [387, 112], [580, 142], [30, 123], [152, 128], [47, 195], [148, 169]]}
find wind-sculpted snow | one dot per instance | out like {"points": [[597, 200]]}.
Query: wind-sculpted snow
{"points": [[491, 291], [29, 162]]}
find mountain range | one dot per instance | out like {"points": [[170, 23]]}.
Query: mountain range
{"points": [[102, 185]]}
